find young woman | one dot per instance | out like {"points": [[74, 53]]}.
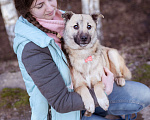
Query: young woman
{"points": [[46, 75]]}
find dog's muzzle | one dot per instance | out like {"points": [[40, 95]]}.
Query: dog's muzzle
{"points": [[82, 39]]}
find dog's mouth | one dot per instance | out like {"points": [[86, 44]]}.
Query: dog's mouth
{"points": [[83, 45], [82, 40]]}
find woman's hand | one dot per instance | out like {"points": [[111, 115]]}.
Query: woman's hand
{"points": [[108, 80]]}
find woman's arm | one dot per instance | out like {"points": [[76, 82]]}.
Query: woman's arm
{"points": [[45, 74]]}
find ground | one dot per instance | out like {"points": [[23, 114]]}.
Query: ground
{"points": [[126, 27]]}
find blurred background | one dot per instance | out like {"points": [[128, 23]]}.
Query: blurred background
{"points": [[126, 27]]}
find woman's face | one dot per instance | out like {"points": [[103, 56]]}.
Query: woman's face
{"points": [[44, 9]]}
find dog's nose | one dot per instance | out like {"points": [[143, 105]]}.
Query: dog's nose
{"points": [[84, 38]]}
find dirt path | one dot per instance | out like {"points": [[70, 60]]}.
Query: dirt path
{"points": [[11, 80]]}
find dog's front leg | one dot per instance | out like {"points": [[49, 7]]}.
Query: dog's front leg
{"points": [[88, 101], [101, 96], [81, 88]]}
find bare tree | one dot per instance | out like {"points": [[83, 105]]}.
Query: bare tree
{"points": [[91, 7], [10, 17]]}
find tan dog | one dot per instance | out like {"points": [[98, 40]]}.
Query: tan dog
{"points": [[87, 58]]}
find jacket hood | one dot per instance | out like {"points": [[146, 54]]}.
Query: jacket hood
{"points": [[25, 32]]}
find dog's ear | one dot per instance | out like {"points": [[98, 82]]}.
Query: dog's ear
{"points": [[96, 16], [67, 15]]}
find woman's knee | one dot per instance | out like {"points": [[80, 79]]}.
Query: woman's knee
{"points": [[144, 94], [140, 92], [134, 91], [124, 108], [131, 98]]}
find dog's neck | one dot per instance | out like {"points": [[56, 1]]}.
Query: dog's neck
{"points": [[85, 53]]}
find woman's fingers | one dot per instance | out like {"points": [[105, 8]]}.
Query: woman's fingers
{"points": [[108, 80], [108, 72]]}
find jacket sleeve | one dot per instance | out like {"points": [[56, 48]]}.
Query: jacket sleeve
{"points": [[46, 76]]}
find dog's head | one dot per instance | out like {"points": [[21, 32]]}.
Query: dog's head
{"points": [[80, 30]]}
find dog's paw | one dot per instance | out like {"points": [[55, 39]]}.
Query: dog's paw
{"points": [[120, 81], [90, 106], [104, 103], [87, 114]]}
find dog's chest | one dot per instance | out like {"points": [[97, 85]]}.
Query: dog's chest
{"points": [[89, 68], [85, 64]]}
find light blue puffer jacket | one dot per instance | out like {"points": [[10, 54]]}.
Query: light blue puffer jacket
{"points": [[25, 32]]}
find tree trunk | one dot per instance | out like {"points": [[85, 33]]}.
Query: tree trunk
{"points": [[10, 17], [92, 7]]}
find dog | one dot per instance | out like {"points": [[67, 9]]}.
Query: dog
{"points": [[87, 58]]}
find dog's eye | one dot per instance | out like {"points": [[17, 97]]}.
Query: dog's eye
{"points": [[76, 27], [89, 27]]}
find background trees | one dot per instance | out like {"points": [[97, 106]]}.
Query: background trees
{"points": [[10, 17], [92, 7]]}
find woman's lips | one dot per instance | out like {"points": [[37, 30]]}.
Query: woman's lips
{"points": [[51, 13]]}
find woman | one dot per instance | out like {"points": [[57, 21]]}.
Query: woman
{"points": [[47, 77]]}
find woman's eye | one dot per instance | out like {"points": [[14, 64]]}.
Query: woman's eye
{"points": [[89, 27], [39, 6], [76, 27]]}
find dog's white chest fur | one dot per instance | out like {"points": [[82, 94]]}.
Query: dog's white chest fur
{"points": [[89, 69], [88, 75]]}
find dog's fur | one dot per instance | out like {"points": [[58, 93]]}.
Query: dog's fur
{"points": [[80, 42]]}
